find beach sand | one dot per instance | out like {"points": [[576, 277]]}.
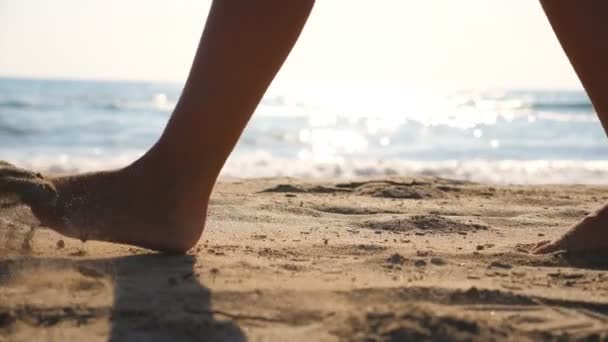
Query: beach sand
{"points": [[394, 259]]}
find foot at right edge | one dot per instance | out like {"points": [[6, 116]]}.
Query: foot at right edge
{"points": [[590, 233]]}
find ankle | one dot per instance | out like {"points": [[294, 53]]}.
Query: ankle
{"points": [[172, 172]]}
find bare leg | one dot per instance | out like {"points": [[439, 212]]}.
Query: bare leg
{"points": [[160, 201], [581, 27]]}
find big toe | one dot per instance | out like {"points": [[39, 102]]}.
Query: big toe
{"points": [[545, 247]]}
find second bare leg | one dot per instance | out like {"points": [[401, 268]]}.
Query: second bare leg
{"points": [[582, 29]]}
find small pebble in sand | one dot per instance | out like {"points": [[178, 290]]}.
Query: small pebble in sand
{"points": [[541, 234], [438, 261], [290, 195], [60, 244], [499, 264], [480, 247], [420, 263], [396, 259], [214, 271], [326, 241], [79, 253]]}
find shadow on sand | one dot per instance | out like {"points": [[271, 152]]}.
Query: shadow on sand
{"points": [[156, 298], [595, 260]]}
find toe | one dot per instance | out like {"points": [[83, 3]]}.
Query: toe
{"points": [[541, 243], [545, 247]]}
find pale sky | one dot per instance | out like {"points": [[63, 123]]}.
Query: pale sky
{"points": [[467, 43]]}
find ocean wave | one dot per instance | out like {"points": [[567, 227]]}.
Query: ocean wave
{"points": [[158, 102], [563, 106], [491, 171], [262, 164], [13, 130], [15, 104], [317, 131]]}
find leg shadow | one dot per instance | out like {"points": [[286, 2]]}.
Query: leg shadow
{"points": [[156, 298], [159, 298]]}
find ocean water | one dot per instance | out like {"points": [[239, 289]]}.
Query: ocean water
{"points": [[319, 130]]}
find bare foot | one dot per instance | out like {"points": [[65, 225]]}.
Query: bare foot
{"points": [[588, 234], [138, 205]]}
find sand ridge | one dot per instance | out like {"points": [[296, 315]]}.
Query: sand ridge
{"points": [[392, 259]]}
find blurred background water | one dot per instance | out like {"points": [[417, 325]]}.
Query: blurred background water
{"points": [[312, 130]]}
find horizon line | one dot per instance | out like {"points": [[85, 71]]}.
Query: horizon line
{"points": [[181, 83]]}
